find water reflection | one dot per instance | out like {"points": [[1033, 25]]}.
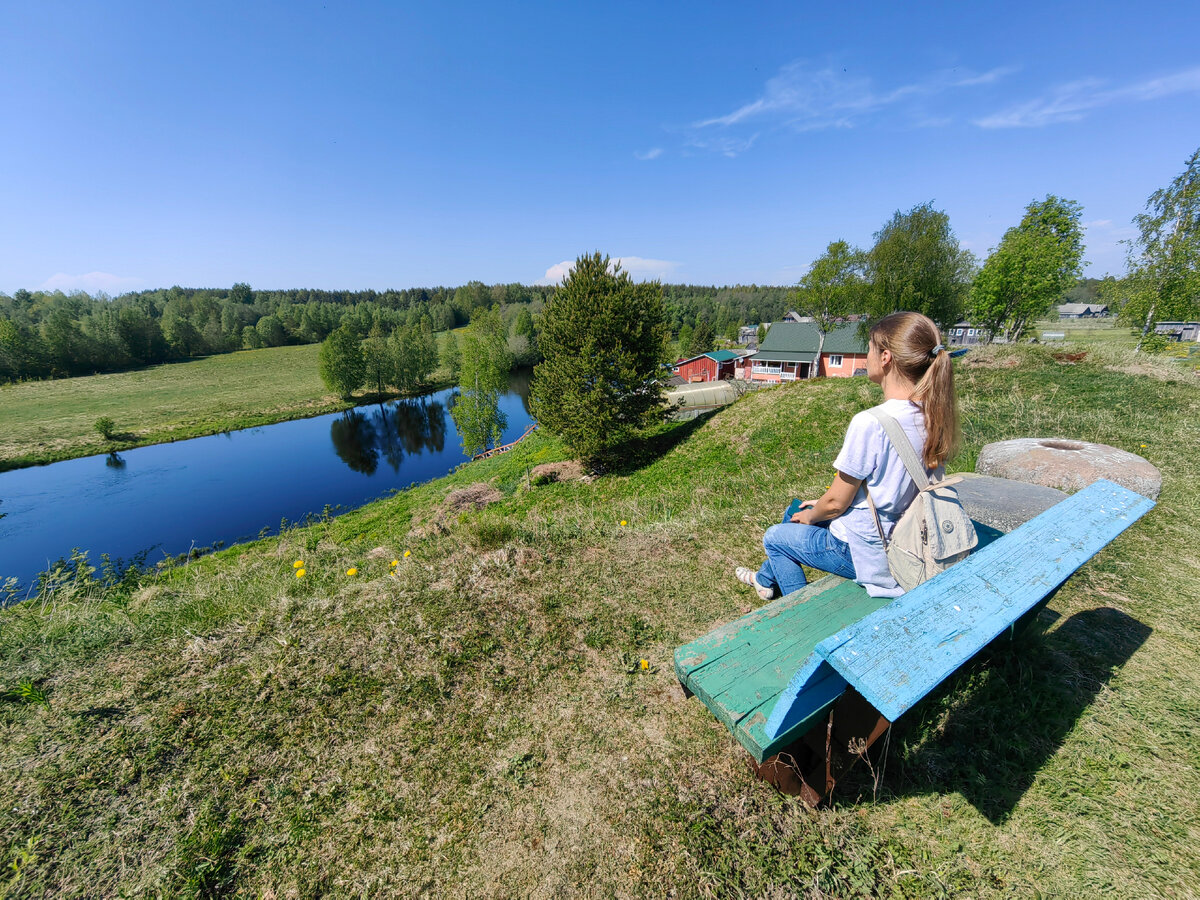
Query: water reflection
{"points": [[228, 487], [410, 427]]}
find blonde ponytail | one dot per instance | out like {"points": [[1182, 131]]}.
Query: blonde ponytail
{"points": [[920, 356]]}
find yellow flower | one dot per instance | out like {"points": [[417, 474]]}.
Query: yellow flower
{"points": [[1143, 446], [407, 554], [395, 562], [645, 664], [300, 573], [352, 571], [298, 564], [623, 523]]}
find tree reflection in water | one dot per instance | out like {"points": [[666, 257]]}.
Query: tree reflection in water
{"points": [[391, 431]]}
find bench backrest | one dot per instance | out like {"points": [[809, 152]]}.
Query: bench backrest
{"points": [[899, 653]]}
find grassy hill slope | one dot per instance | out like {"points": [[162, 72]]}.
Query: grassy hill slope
{"points": [[479, 724]]}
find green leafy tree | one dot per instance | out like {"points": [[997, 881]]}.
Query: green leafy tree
{"points": [[414, 353], [482, 379], [702, 339], [241, 293], [341, 362], [832, 289], [1037, 262], [271, 331], [105, 427], [762, 332], [916, 264], [602, 337], [452, 355], [686, 336], [379, 367], [1164, 259]]}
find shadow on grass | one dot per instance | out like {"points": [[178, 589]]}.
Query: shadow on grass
{"points": [[648, 447], [1005, 717]]}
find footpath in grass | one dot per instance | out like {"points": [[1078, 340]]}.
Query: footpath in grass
{"points": [[46, 421], [479, 723]]}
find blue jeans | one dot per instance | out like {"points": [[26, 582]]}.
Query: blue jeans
{"points": [[790, 544]]}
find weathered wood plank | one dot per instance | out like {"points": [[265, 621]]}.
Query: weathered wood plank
{"points": [[739, 669], [896, 655]]}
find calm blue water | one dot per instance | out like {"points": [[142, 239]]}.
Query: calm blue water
{"points": [[171, 497]]}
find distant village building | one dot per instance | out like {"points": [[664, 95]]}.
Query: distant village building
{"points": [[964, 333], [1179, 331], [748, 336], [789, 353], [1082, 310], [713, 366], [792, 316]]}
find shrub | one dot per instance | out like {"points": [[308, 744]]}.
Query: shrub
{"points": [[105, 427]]}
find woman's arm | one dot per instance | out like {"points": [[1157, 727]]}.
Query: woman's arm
{"points": [[832, 503]]}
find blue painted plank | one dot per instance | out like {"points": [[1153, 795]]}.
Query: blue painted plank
{"points": [[899, 653]]}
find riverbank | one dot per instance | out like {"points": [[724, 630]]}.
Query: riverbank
{"points": [[48, 421], [479, 724]]}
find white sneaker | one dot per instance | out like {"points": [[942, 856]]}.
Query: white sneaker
{"points": [[750, 577]]}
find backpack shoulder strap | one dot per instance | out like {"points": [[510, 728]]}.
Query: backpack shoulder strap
{"points": [[904, 447]]}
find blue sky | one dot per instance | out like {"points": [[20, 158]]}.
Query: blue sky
{"points": [[375, 145]]}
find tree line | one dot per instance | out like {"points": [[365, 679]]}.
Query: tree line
{"points": [[916, 263], [49, 334]]}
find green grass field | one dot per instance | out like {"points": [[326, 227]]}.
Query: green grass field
{"points": [[479, 724], [45, 421]]}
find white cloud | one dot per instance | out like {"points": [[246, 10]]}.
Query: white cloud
{"points": [[639, 269], [1098, 223], [801, 98], [1073, 101], [91, 282], [652, 153]]}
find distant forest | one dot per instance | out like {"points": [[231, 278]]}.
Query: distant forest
{"points": [[57, 335]]}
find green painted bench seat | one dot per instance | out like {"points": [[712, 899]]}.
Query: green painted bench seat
{"points": [[772, 675]]}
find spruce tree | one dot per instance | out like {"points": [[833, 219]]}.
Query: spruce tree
{"points": [[600, 382]]}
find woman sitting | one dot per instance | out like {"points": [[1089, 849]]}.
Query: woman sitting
{"points": [[837, 532]]}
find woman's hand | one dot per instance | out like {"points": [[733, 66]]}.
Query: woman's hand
{"points": [[802, 517]]}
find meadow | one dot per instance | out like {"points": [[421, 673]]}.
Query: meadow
{"points": [[46, 421], [475, 720]]}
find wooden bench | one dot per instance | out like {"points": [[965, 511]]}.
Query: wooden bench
{"points": [[809, 682]]}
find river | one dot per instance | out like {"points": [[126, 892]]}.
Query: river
{"points": [[166, 499]]}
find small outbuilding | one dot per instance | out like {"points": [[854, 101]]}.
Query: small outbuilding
{"points": [[1179, 331], [712, 366]]}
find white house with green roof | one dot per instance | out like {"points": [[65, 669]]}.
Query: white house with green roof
{"points": [[793, 350]]}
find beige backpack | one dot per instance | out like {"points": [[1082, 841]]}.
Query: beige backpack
{"points": [[934, 532]]}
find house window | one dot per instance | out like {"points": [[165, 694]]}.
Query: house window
{"points": [[835, 360], [971, 332]]}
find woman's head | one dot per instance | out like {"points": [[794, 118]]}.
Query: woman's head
{"points": [[919, 356]]}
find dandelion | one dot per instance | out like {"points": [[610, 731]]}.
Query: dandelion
{"points": [[352, 571], [395, 562], [623, 523], [298, 564], [407, 554], [645, 664], [1144, 446], [300, 572]]}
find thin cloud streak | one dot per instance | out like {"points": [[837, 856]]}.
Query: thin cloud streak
{"points": [[1072, 102], [638, 267], [800, 98], [652, 153]]}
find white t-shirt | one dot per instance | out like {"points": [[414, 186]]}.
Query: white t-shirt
{"points": [[868, 454]]}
